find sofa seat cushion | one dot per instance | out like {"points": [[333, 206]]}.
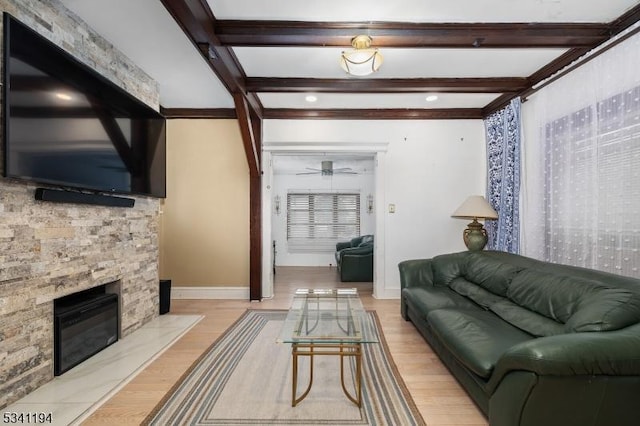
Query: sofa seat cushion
{"points": [[427, 299], [476, 338]]}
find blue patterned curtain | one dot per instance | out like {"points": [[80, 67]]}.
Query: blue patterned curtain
{"points": [[503, 175]]}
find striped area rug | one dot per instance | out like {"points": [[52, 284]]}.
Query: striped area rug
{"points": [[244, 378]]}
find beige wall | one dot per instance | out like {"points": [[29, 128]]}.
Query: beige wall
{"points": [[204, 239]]}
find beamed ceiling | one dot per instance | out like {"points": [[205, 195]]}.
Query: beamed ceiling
{"points": [[474, 55], [222, 42]]}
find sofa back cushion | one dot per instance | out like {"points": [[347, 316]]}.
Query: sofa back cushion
{"points": [[532, 322], [473, 291], [607, 309], [581, 304], [523, 318], [448, 267], [492, 274]]}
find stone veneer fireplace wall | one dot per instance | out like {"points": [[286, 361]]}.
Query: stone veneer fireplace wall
{"points": [[49, 250]]}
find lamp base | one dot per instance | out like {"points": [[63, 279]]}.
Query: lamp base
{"points": [[475, 236]]}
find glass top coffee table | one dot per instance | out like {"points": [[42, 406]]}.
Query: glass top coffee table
{"points": [[327, 322]]}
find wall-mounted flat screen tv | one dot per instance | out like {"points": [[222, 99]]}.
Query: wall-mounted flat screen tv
{"points": [[66, 125]]}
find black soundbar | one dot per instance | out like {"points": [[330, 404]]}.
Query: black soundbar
{"points": [[62, 196]]}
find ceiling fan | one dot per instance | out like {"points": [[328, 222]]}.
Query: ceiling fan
{"points": [[328, 170]]}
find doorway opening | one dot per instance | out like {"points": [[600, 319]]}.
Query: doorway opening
{"points": [[319, 187]]}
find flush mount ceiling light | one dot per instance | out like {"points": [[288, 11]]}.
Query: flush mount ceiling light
{"points": [[362, 59]]}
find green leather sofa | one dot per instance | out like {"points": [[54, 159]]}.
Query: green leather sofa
{"points": [[533, 343], [355, 259]]}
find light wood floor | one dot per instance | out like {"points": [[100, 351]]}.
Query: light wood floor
{"points": [[437, 394]]}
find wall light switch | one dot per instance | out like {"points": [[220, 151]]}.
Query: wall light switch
{"points": [[392, 208]]}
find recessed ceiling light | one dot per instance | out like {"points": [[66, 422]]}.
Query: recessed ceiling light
{"points": [[63, 96], [431, 98], [310, 98]]}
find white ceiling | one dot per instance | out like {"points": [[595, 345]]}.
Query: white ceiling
{"points": [[147, 34], [422, 10], [376, 100], [323, 62]]}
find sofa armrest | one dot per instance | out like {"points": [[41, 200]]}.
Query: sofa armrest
{"points": [[356, 266], [611, 353], [353, 251], [415, 273]]}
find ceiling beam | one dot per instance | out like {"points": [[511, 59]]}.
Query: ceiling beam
{"points": [[198, 23], [409, 34], [215, 39], [251, 144], [351, 114], [560, 65], [625, 20], [382, 85], [251, 132], [543, 73], [374, 114], [576, 57], [214, 113]]}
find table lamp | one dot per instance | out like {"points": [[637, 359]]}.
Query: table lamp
{"points": [[475, 207]]}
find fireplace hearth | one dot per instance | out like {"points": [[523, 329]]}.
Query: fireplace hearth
{"points": [[84, 324]]}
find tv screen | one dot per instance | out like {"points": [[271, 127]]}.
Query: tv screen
{"points": [[66, 125]]}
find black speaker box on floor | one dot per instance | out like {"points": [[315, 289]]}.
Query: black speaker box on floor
{"points": [[165, 296], [62, 196]]}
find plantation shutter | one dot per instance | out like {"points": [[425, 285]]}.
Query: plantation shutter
{"points": [[317, 221]]}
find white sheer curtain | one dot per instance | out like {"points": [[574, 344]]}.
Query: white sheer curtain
{"points": [[581, 178]]}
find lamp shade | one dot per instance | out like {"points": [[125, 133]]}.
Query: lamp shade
{"points": [[475, 207]]}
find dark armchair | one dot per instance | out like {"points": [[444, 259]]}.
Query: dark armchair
{"points": [[355, 259]]}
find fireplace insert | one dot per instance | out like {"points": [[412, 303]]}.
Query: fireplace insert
{"points": [[84, 325]]}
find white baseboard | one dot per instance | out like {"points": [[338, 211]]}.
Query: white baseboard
{"points": [[240, 293], [391, 293]]}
